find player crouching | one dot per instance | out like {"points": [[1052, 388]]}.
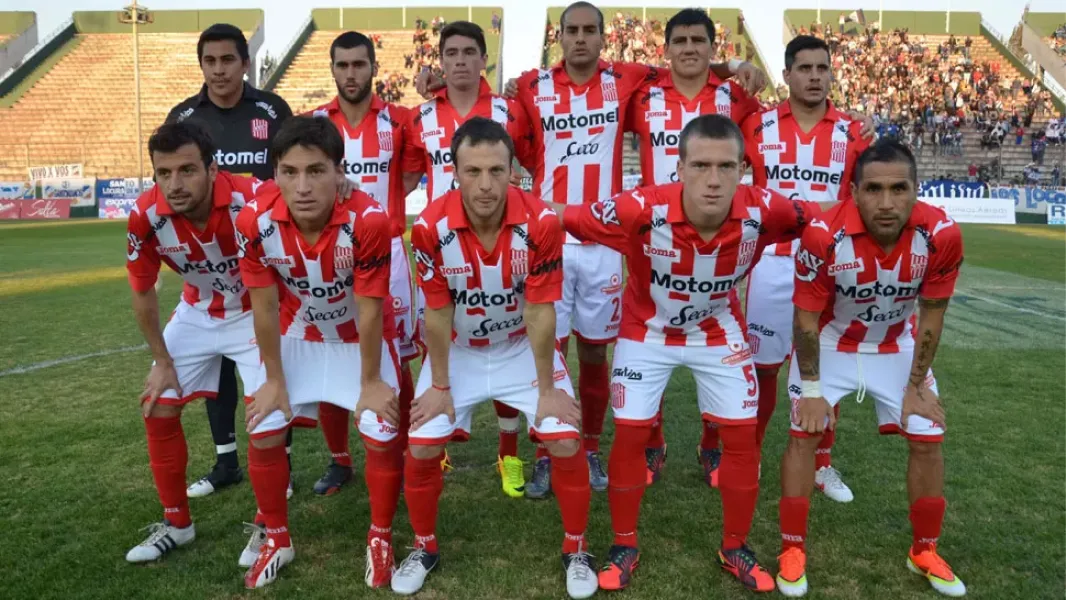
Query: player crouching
{"points": [[325, 260], [860, 270], [489, 262]]}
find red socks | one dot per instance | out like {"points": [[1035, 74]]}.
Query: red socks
{"points": [[656, 439], [334, 421], [542, 452], [383, 474], [268, 468], [927, 516], [793, 514], [593, 391], [168, 457], [709, 439], [626, 480], [738, 482], [767, 402], [509, 424], [823, 456], [570, 481], [423, 482]]}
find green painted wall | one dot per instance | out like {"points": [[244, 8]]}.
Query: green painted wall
{"points": [[15, 22], [1045, 23], [169, 21], [922, 22]]}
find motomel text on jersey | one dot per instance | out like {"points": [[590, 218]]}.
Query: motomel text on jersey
{"points": [[441, 157], [230, 159], [365, 168], [693, 285], [328, 291], [207, 266], [877, 289], [476, 298], [796, 173], [582, 121], [664, 138]]}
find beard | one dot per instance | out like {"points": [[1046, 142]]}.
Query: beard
{"points": [[359, 96]]}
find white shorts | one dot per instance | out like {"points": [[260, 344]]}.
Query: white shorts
{"points": [[769, 310], [320, 372], [726, 389], [197, 344], [883, 376], [591, 306], [400, 290], [504, 372]]}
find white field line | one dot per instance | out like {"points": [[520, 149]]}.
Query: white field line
{"points": [[69, 359], [1012, 307]]}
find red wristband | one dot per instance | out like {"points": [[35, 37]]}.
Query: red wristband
{"points": [[446, 388]]}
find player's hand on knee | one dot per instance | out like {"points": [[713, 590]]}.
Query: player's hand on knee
{"points": [[923, 402], [814, 415], [433, 402], [161, 378], [379, 398], [557, 403], [271, 396]]}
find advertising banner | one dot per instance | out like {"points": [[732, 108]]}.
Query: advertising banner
{"points": [[1056, 214], [976, 210], [16, 190], [9, 209], [947, 188], [56, 208], [55, 172], [119, 188], [1028, 199], [116, 208], [80, 190]]}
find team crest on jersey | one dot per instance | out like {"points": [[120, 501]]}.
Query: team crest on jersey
{"points": [[260, 129], [918, 265], [519, 262], [746, 253], [343, 259], [610, 92], [840, 150], [385, 141]]}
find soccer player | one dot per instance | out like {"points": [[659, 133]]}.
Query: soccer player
{"points": [[466, 94], [577, 109], [242, 120], [324, 262], [186, 221], [803, 148], [373, 133], [861, 270], [489, 260], [687, 246]]}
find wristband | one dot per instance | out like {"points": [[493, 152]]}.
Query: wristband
{"points": [[811, 389], [734, 65], [440, 388]]}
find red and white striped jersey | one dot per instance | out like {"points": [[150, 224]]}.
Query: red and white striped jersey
{"points": [[317, 283], [659, 112], [206, 260], [433, 123], [867, 297], [680, 290], [577, 129], [489, 288], [373, 152], [815, 166]]}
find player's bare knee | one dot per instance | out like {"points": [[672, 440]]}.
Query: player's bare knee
{"points": [[269, 441], [377, 447], [563, 448], [925, 450], [803, 446], [763, 372], [591, 354], [424, 452], [165, 411]]}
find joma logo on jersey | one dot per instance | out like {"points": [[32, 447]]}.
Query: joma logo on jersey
{"points": [[342, 258], [277, 261], [865, 292], [693, 285], [179, 249], [848, 266], [453, 271], [365, 168], [663, 252], [433, 133], [771, 148], [582, 121], [656, 114], [661, 138], [552, 99], [441, 157], [796, 173], [206, 266]]}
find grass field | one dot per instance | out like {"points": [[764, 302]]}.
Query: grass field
{"points": [[75, 485]]}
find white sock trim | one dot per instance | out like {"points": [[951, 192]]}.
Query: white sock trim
{"points": [[509, 425], [226, 448]]}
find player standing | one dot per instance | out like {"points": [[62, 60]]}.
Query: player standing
{"points": [[242, 120], [325, 261], [804, 148], [373, 133], [489, 257], [186, 221], [687, 246], [861, 270], [465, 95]]}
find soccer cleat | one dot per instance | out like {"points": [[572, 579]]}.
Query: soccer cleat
{"points": [[267, 565], [446, 462], [827, 479], [219, 477], [541, 485], [792, 573], [162, 538], [710, 460], [512, 479], [291, 489], [333, 480], [930, 565], [411, 574], [380, 564], [581, 579], [741, 563], [656, 460], [621, 562], [254, 545], [597, 476]]}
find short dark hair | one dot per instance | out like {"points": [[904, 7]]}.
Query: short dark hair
{"points": [[309, 132], [715, 127], [353, 39], [477, 131], [220, 32], [688, 17], [886, 150], [464, 29], [172, 136], [801, 43], [581, 4]]}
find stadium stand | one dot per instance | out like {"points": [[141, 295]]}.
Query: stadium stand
{"points": [[44, 127], [405, 39], [18, 35]]}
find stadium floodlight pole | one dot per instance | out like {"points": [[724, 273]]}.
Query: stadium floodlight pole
{"points": [[132, 15]]}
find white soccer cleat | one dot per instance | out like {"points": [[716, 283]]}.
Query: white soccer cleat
{"points": [[380, 564], [411, 574], [162, 538], [581, 578], [255, 543], [827, 479], [267, 565], [200, 488]]}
